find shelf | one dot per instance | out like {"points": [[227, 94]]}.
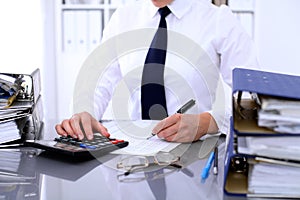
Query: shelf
{"points": [[88, 7], [243, 11]]}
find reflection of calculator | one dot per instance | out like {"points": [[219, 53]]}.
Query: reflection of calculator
{"points": [[74, 148]]}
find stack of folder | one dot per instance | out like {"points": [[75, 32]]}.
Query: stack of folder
{"points": [[21, 111], [263, 157]]}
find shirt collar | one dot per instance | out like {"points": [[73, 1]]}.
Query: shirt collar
{"points": [[177, 7]]}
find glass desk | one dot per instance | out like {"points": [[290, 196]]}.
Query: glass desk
{"points": [[27, 173], [38, 176]]}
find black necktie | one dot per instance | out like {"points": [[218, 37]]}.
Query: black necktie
{"points": [[153, 98]]}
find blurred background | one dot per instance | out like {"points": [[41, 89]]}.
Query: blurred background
{"points": [[57, 35]]}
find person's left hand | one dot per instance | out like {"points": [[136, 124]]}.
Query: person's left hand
{"points": [[185, 127]]}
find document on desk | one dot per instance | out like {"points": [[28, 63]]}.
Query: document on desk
{"points": [[136, 133]]}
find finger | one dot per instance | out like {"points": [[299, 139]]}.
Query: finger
{"points": [[67, 127], [165, 123], [100, 128], [75, 125], [178, 137], [171, 138], [60, 130], [86, 125], [167, 132]]}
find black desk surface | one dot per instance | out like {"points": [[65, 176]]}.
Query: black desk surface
{"points": [[38, 176]]}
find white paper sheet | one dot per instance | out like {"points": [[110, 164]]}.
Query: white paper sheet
{"points": [[136, 133]]}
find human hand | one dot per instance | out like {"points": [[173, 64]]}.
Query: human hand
{"points": [[81, 125], [185, 127]]}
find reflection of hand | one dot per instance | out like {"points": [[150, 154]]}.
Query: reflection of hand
{"points": [[81, 125], [185, 127]]}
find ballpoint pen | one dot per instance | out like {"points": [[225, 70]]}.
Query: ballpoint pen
{"points": [[205, 171], [186, 106], [181, 110], [216, 161]]}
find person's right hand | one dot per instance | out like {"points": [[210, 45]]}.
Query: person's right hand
{"points": [[81, 125]]}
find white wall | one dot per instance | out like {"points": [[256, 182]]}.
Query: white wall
{"points": [[277, 35], [20, 36], [49, 78], [27, 43]]}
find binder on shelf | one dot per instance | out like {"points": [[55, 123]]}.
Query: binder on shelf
{"points": [[95, 26], [258, 85], [69, 34], [81, 27]]}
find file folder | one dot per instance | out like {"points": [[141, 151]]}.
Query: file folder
{"points": [[244, 123], [26, 111], [31, 126], [256, 82], [31, 89], [236, 172]]}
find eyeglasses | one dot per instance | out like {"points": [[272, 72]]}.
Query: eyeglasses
{"points": [[135, 164]]}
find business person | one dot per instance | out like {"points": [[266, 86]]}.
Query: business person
{"points": [[212, 42]]}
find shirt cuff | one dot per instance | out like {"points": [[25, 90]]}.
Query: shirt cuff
{"points": [[222, 119]]}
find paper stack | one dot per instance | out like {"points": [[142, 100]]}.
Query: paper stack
{"points": [[285, 148], [281, 115], [273, 178], [275, 168]]}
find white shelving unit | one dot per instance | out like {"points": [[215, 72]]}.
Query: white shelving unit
{"points": [[244, 10], [85, 30], [105, 7]]}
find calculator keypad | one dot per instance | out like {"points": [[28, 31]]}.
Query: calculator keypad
{"points": [[79, 149], [97, 142]]}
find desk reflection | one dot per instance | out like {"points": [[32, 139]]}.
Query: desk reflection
{"points": [[18, 178], [51, 177], [98, 179]]}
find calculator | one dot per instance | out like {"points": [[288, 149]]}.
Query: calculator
{"points": [[79, 149]]}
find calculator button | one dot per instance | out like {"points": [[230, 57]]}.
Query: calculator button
{"points": [[116, 141], [87, 146]]}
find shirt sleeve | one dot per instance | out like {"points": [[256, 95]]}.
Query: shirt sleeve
{"points": [[236, 49], [234, 45]]}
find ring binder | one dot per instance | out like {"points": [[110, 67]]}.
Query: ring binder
{"points": [[244, 161], [259, 84]]}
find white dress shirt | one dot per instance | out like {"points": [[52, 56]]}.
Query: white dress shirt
{"points": [[205, 43]]}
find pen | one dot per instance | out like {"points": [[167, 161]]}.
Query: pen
{"points": [[186, 106], [216, 161], [181, 110], [205, 171]]}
